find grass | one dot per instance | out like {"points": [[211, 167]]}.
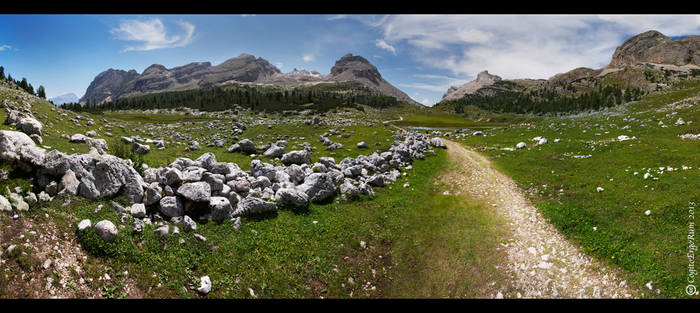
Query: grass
{"points": [[316, 253], [280, 255]]}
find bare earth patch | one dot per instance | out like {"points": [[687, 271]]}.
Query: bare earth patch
{"points": [[540, 262], [56, 264]]}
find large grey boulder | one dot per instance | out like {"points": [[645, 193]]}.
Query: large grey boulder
{"points": [[138, 210], [29, 126], [141, 149], [193, 173], [206, 160], [5, 205], [252, 205], [106, 230], [296, 174], [220, 208], [11, 142], [349, 190], [78, 138], [197, 191], [153, 194], [215, 181], [438, 143], [99, 144], [377, 180], [109, 175], [18, 202], [171, 206], [296, 157], [172, 177], [246, 146], [292, 197], [274, 152], [318, 186]]}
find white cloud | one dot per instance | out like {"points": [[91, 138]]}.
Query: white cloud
{"points": [[5, 47], [382, 44], [308, 57], [518, 46], [152, 34], [279, 65]]}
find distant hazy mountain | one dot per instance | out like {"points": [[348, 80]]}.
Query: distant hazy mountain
{"points": [[67, 98], [113, 84], [482, 80]]}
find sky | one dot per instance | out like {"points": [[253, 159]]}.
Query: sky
{"points": [[423, 55]]}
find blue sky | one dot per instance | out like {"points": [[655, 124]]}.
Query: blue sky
{"points": [[422, 55]]}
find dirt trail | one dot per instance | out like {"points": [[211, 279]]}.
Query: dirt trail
{"points": [[541, 262]]}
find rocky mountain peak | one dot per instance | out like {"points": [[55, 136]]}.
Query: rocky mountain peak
{"points": [[355, 66], [654, 47], [155, 68]]}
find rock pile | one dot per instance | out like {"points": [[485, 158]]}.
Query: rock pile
{"points": [[214, 190]]}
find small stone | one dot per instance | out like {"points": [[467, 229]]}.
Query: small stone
{"points": [[205, 285], [163, 230], [106, 230], [84, 224]]}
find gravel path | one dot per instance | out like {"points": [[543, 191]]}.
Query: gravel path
{"points": [[541, 262]]}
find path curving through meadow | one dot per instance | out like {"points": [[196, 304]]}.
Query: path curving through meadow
{"points": [[541, 263]]}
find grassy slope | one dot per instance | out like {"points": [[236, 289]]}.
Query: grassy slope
{"points": [[649, 248], [280, 255]]}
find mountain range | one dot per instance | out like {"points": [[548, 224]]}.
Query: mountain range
{"points": [[247, 69], [649, 61]]}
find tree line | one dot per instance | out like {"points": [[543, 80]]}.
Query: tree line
{"points": [[546, 100], [252, 97], [23, 84]]}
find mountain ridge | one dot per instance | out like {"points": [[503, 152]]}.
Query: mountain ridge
{"points": [[113, 84]]}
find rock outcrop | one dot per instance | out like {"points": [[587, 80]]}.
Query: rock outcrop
{"points": [[654, 47]]}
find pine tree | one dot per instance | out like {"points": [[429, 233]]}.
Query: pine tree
{"points": [[41, 93]]}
